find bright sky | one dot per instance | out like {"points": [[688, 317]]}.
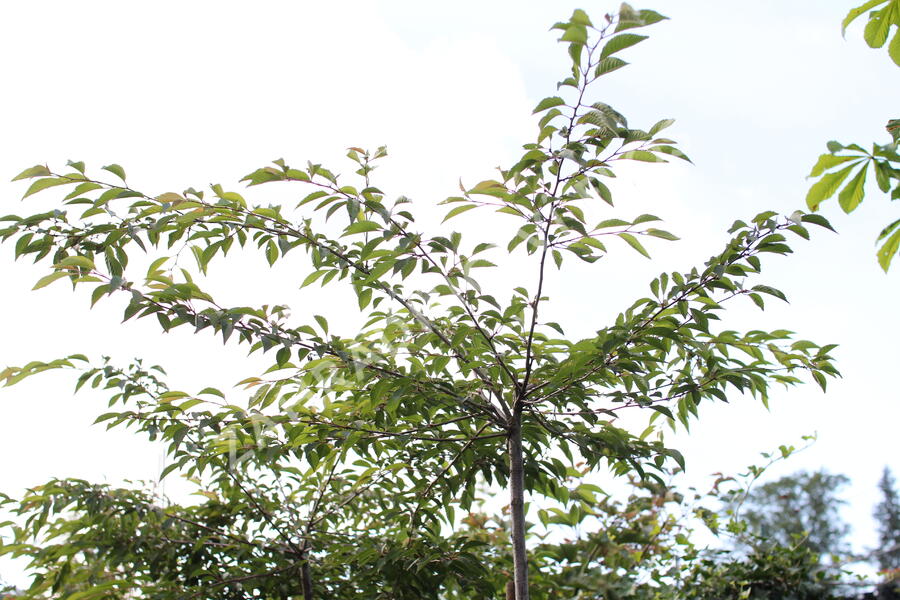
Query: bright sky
{"points": [[184, 94]]}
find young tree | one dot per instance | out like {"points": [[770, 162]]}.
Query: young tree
{"points": [[887, 514], [386, 432]]}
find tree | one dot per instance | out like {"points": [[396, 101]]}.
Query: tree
{"points": [[798, 510], [841, 160], [347, 464], [887, 515]]}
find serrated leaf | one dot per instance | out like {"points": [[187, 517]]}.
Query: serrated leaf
{"points": [[608, 65], [757, 299], [662, 410], [457, 210], [765, 289], [659, 233], [671, 151], [660, 125], [817, 220], [575, 33], [621, 42], [362, 227], [631, 19], [115, 170], [641, 155], [77, 261], [48, 279], [35, 171], [611, 223], [634, 243], [312, 277], [548, 103], [645, 218], [481, 263], [487, 187], [43, 184]]}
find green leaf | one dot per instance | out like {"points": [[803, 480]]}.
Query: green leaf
{"points": [[115, 170], [660, 125], [826, 187], [853, 192], [662, 410], [854, 13], [671, 151], [548, 103], [77, 261], [580, 17], [645, 218], [634, 243], [817, 220], [894, 51], [271, 253], [621, 42], [457, 210], [889, 250], [641, 155], [611, 223], [312, 277], [827, 161], [47, 182], [878, 27], [48, 279], [35, 171], [488, 187], [662, 234], [887, 230], [362, 227], [765, 289], [608, 65], [630, 19], [575, 33]]}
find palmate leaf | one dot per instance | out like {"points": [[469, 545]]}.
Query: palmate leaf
{"points": [[880, 23], [826, 187], [859, 10]]}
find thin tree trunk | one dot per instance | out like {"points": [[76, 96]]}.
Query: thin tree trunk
{"points": [[306, 579], [517, 506]]}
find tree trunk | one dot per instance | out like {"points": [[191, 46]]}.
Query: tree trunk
{"points": [[510, 590], [517, 506], [306, 579]]}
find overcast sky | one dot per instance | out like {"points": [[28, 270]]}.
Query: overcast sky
{"points": [[187, 93]]}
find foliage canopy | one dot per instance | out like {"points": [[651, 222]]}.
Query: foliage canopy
{"points": [[346, 469]]}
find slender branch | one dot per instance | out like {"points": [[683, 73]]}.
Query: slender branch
{"points": [[427, 491]]}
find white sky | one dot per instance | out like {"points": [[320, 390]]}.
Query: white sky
{"points": [[185, 94]]}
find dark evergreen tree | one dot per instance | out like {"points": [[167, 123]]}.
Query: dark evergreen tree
{"points": [[799, 509], [887, 515]]}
